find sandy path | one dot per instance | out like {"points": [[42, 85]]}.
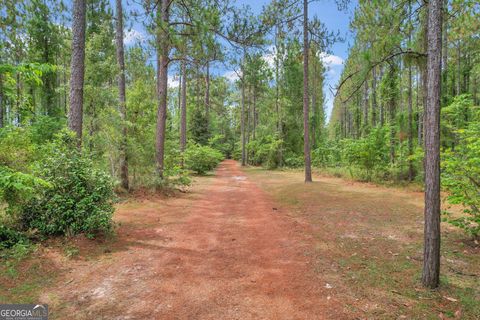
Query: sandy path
{"points": [[223, 252]]}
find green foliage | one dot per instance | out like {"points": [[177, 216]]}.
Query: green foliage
{"points": [[265, 151], [17, 188], [80, 199], [461, 177], [10, 237], [293, 160], [202, 159], [220, 143], [370, 152], [327, 154], [199, 126], [16, 148]]}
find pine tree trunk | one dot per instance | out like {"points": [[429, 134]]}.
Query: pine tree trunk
{"points": [[410, 105], [207, 93], [459, 73], [365, 108], [77, 69], [1, 101], [162, 82], [242, 116], [122, 96], [410, 124], [183, 108], [254, 111], [374, 96], [431, 255], [306, 135]]}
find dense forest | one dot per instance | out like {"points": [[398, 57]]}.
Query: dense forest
{"points": [[90, 111]]}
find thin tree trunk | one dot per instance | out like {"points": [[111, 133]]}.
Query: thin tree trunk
{"points": [[207, 91], [1, 101], [277, 87], [254, 111], [374, 96], [314, 103], [410, 106], [431, 255], [75, 114], [459, 70], [122, 96], [183, 108], [392, 111], [242, 116], [306, 135], [445, 50], [162, 78], [410, 124], [382, 108], [365, 108]]}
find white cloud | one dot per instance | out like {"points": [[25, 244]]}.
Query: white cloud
{"points": [[173, 81], [330, 59], [132, 36], [231, 75]]}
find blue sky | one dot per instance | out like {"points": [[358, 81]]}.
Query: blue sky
{"points": [[325, 10], [328, 13]]}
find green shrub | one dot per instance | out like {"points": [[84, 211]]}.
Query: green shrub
{"points": [[10, 237], [265, 151], [80, 199], [16, 148], [294, 160], [461, 178], [202, 159], [221, 143], [16, 188]]}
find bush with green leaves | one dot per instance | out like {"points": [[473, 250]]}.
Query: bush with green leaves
{"points": [[9, 237], [369, 153], [265, 151], [201, 159], [293, 160], [461, 178], [327, 154], [80, 198]]}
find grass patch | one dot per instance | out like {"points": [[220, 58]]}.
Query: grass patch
{"points": [[367, 241]]}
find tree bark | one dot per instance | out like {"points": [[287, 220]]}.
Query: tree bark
{"points": [[410, 124], [365, 108], [1, 102], [75, 114], [162, 78], [207, 92], [459, 70], [374, 96], [410, 104], [431, 255], [306, 135], [183, 108], [242, 116], [122, 96], [254, 111]]}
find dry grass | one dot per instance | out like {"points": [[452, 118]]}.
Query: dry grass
{"points": [[367, 240]]}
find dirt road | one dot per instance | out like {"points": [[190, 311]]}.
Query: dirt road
{"points": [[224, 251]]}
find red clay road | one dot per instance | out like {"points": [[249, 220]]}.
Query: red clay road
{"points": [[224, 251]]}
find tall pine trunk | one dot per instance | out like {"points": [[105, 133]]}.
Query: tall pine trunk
{"points": [[77, 69], [122, 96], [1, 101], [431, 254], [306, 134], [183, 108], [162, 82], [242, 116]]}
